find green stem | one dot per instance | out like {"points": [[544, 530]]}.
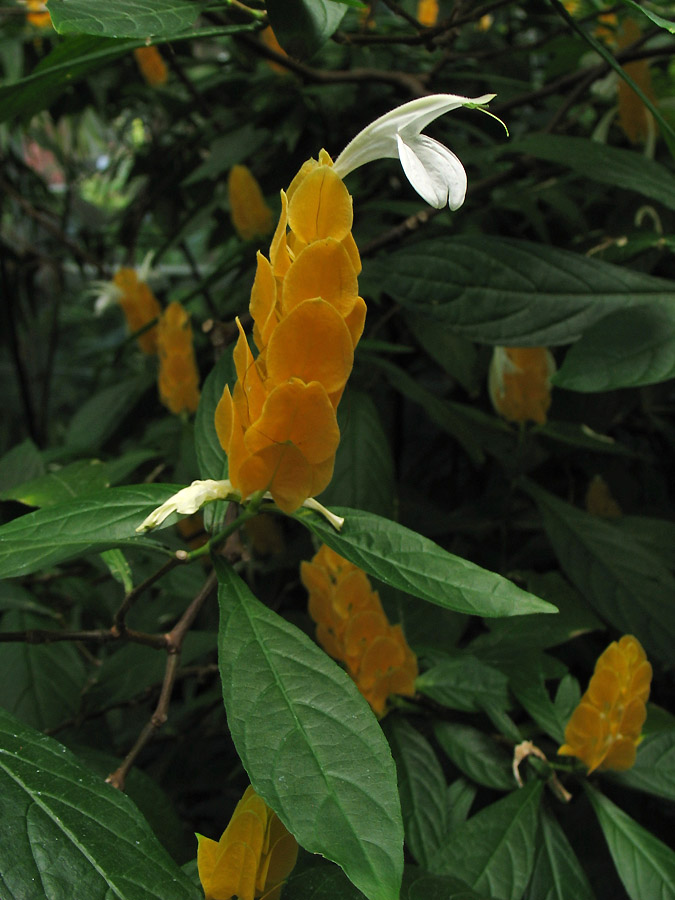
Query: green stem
{"points": [[249, 511]]}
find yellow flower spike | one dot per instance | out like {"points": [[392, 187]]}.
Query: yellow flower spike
{"points": [[635, 119], [519, 383], [139, 305], [604, 730], [280, 258], [151, 65], [323, 269], [178, 376], [427, 12], [251, 216], [38, 14], [263, 302], [320, 207]]}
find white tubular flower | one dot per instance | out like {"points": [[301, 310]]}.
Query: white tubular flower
{"points": [[189, 500], [434, 171]]}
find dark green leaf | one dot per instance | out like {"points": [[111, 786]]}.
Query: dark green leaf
{"points": [[96, 523], [456, 355], [101, 415], [459, 800], [65, 830], [645, 865], [123, 18], [503, 291], [303, 26], [465, 683], [299, 723], [21, 462], [322, 882], [494, 850], [557, 874], [418, 885], [628, 348], [476, 754], [654, 769], [656, 535], [410, 562], [626, 584], [656, 19], [421, 787]]}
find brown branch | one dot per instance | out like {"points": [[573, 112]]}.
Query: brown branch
{"points": [[119, 623], [98, 636]]}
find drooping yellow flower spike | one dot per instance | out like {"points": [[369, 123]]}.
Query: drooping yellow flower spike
{"points": [[178, 375], [278, 426], [634, 118], [519, 383], [38, 14], [352, 627], [139, 305], [151, 65], [253, 857], [427, 12], [251, 216], [604, 729]]}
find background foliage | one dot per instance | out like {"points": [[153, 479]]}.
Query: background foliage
{"points": [[463, 521]]}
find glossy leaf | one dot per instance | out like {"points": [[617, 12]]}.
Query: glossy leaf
{"points": [[123, 18], [465, 683], [625, 583], [65, 829], [645, 865], [476, 755], [322, 882], [419, 885], [303, 26], [557, 873], [414, 564], [95, 523], [629, 348], [459, 800], [298, 722], [504, 291], [101, 415], [494, 850], [656, 19], [20, 463], [421, 787], [654, 768]]}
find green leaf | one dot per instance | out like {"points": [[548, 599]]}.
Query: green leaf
{"points": [[119, 568], [414, 564], [86, 476], [625, 583], [421, 787], [494, 850], [654, 768], [21, 462], [303, 26], [102, 414], [503, 291], [656, 535], [300, 726], [465, 683], [456, 355], [657, 20], [527, 683], [418, 885], [364, 469], [123, 18], [41, 684], [601, 162], [628, 348], [65, 829], [645, 865], [91, 524], [557, 874], [476, 755], [321, 882], [459, 800]]}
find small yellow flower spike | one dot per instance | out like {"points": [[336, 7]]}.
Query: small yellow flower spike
{"points": [[352, 627], [427, 12], [636, 121], [519, 383], [151, 65], [139, 305], [604, 730], [178, 375], [251, 216], [599, 500], [38, 14], [253, 857]]}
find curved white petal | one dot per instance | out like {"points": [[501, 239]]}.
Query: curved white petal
{"points": [[188, 501], [433, 170]]}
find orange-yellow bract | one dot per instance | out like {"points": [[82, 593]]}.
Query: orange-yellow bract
{"points": [[352, 627], [151, 65], [38, 14], [519, 383], [604, 729], [178, 375], [253, 857], [251, 216], [139, 305], [634, 117], [279, 424], [427, 12]]}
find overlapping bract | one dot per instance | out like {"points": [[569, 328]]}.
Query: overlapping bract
{"points": [[139, 305], [604, 729], [251, 216], [253, 857], [519, 383], [178, 375], [151, 65], [352, 627], [279, 424]]}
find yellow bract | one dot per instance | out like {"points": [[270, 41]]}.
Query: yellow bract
{"points": [[519, 383], [352, 627], [604, 729], [253, 857], [178, 375], [278, 425], [139, 305], [38, 14], [634, 118], [151, 65], [427, 12], [251, 216]]}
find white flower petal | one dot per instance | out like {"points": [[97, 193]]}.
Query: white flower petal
{"points": [[433, 170], [188, 501], [426, 183]]}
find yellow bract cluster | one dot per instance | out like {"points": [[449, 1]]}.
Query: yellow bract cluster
{"points": [[251, 216], [427, 12], [634, 117], [152, 66], [604, 729], [178, 375], [352, 627], [139, 305], [519, 384], [253, 857], [279, 424], [38, 14]]}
